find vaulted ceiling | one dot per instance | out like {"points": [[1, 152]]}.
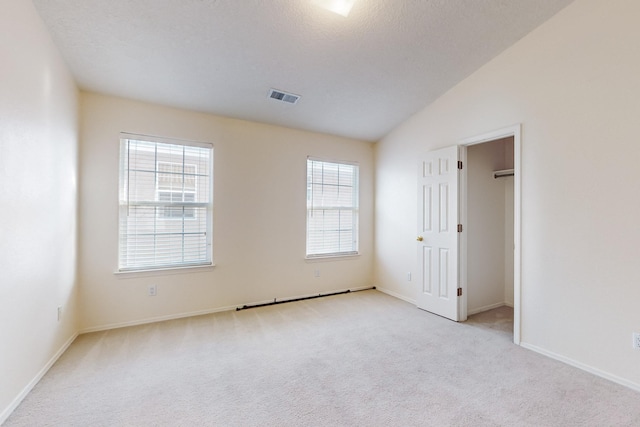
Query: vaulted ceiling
{"points": [[358, 76]]}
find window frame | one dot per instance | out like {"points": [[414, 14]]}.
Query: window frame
{"points": [[354, 208], [125, 203]]}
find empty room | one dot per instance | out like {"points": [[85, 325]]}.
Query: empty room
{"points": [[319, 212]]}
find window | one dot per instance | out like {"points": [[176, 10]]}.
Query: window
{"points": [[166, 203], [177, 183], [332, 208]]}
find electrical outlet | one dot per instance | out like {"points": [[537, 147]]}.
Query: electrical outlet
{"points": [[152, 290], [636, 340], [59, 313], [316, 273], [408, 276]]}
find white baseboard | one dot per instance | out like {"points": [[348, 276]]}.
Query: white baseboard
{"points": [[582, 366], [396, 295], [203, 312], [148, 320], [25, 391], [486, 308]]}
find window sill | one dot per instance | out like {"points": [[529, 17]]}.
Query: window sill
{"points": [[331, 257], [163, 271]]}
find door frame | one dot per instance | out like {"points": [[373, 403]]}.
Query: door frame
{"points": [[514, 131]]}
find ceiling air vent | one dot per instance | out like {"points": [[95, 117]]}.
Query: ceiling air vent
{"points": [[279, 95]]}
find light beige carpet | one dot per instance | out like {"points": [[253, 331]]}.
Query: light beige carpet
{"points": [[361, 359]]}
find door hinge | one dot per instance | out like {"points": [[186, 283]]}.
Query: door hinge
{"points": [[459, 164], [459, 228], [459, 292]]}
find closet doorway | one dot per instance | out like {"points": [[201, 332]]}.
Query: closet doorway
{"points": [[490, 212]]}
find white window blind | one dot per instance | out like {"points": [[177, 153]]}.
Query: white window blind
{"points": [[332, 208], [166, 201]]}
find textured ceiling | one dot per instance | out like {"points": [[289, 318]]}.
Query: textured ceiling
{"points": [[358, 76]]}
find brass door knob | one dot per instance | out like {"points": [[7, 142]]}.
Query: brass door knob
{"points": [[419, 239]]}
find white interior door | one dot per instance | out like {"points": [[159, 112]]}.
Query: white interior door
{"points": [[438, 182]]}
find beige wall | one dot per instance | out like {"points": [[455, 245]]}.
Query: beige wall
{"points": [[38, 165], [259, 215], [573, 84]]}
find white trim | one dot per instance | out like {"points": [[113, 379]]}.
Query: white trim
{"points": [[486, 308], [582, 366], [125, 274], [164, 140], [517, 233], [396, 295], [332, 256], [208, 311], [316, 259], [516, 132], [334, 161], [462, 237], [6, 413], [148, 320]]}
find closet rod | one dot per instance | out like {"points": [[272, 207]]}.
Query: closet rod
{"points": [[503, 173]]}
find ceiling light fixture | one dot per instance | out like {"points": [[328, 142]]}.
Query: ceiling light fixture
{"points": [[341, 7]]}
